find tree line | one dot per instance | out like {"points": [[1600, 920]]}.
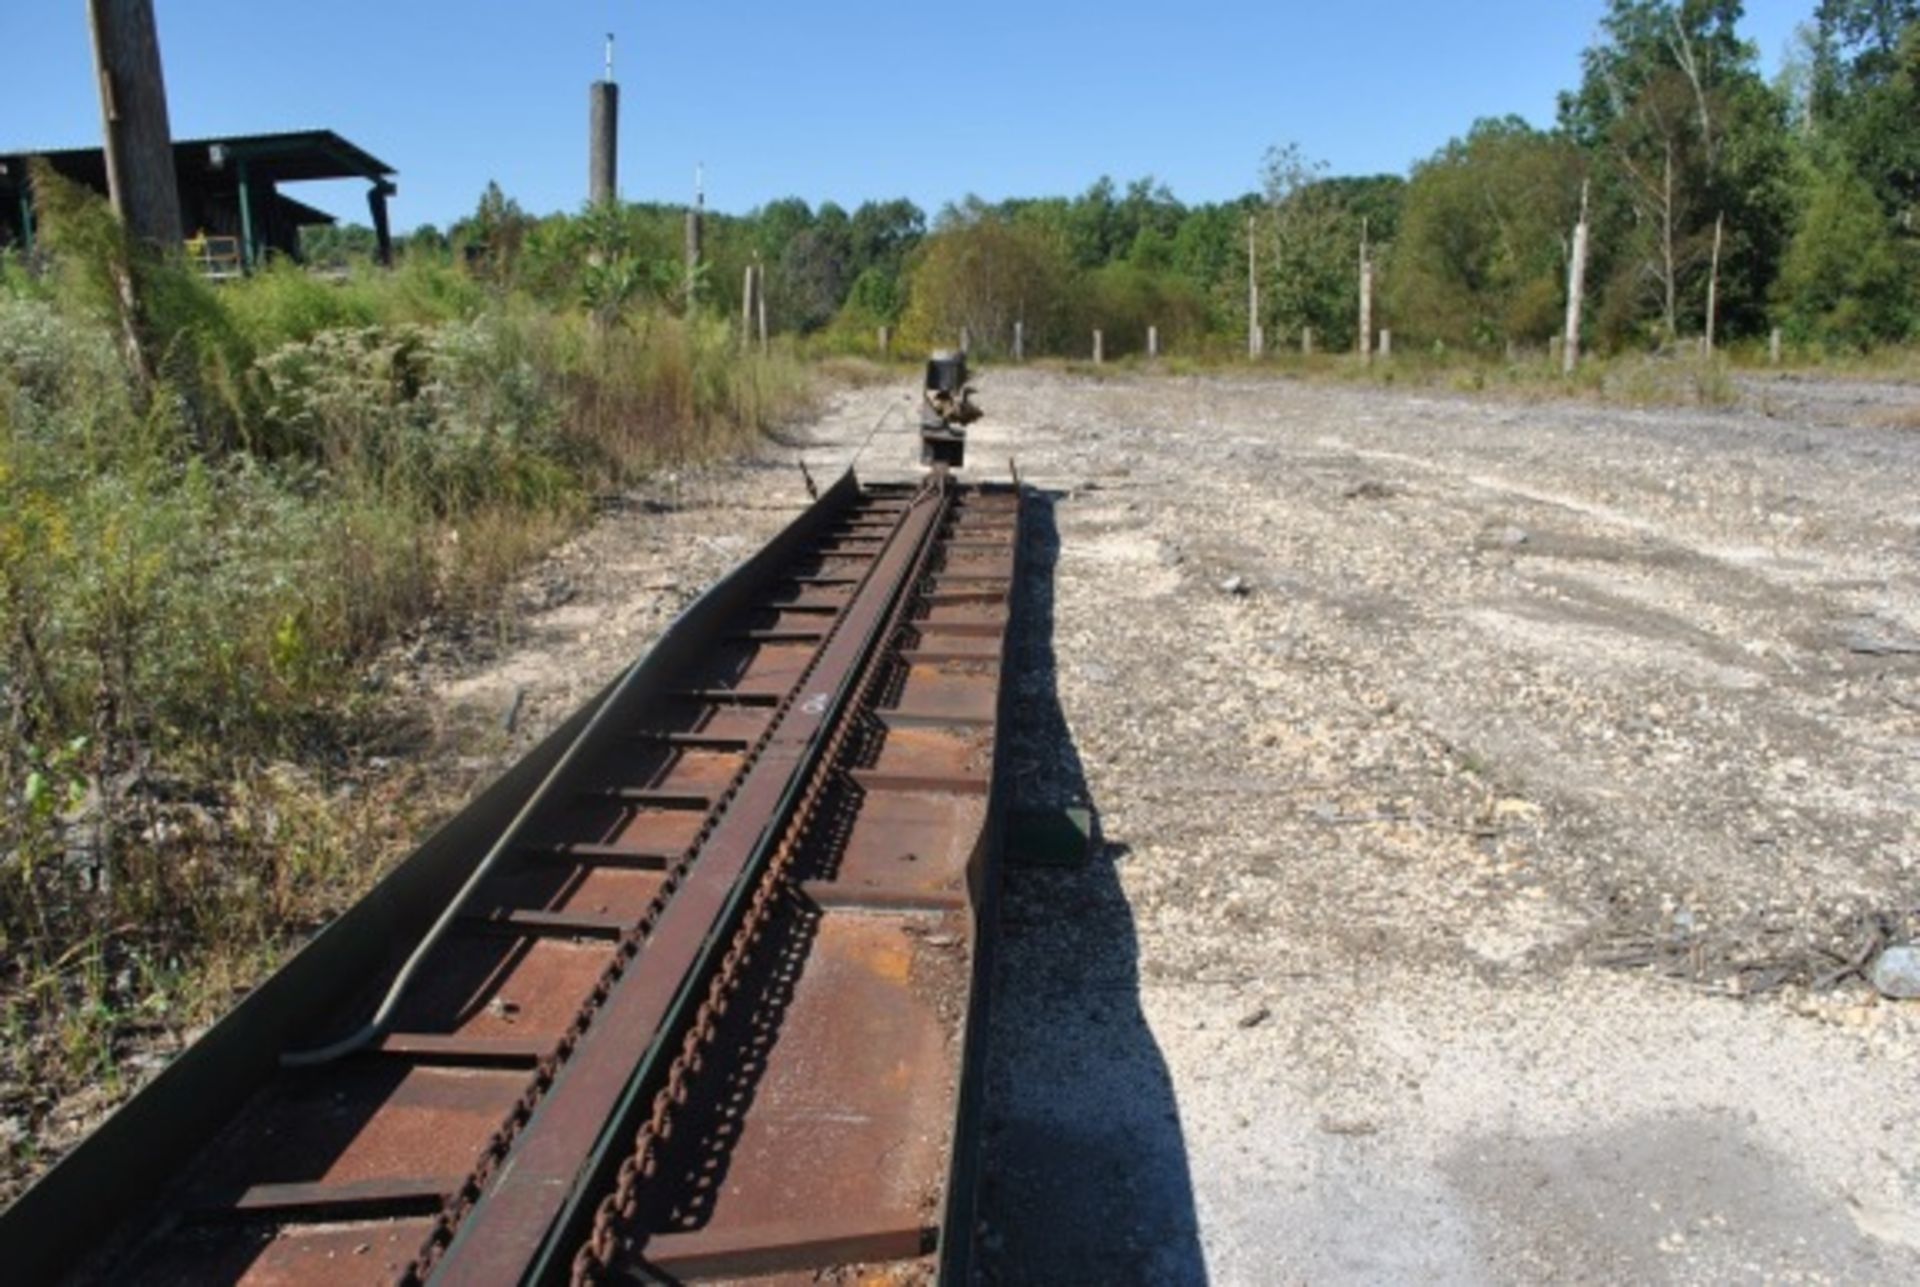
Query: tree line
{"points": [[1790, 202]]}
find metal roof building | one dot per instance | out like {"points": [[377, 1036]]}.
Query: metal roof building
{"points": [[229, 188]]}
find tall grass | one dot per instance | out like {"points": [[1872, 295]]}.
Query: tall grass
{"points": [[217, 505]]}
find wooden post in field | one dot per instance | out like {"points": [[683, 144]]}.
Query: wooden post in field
{"points": [[1306, 341], [133, 109], [1366, 297], [1386, 343], [1576, 287], [693, 236], [1773, 348], [1019, 341], [1713, 282], [746, 308], [1153, 342], [1254, 337], [966, 340], [1099, 347], [760, 302]]}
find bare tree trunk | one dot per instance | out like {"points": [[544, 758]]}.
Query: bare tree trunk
{"points": [[1683, 54], [694, 219], [760, 302], [1366, 297], [1576, 287], [1713, 281], [1253, 295], [1669, 269], [746, 309]]}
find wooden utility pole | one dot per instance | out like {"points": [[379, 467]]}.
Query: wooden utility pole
{"points": [[693, 237], [746, 306], [1253, 295], [1713, 282], [1576, 287], [760, 302], [133, 109], [1366, 296]]}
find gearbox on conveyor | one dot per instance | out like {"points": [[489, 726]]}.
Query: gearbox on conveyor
{"points": [[946, 409]]}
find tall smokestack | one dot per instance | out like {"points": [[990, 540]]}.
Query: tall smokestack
{"points": [[604, 123]]}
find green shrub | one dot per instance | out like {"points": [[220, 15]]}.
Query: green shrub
{"points": [[217, 504]]}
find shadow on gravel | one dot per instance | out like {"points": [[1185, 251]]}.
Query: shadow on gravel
{"points": [[1085, 1168]]}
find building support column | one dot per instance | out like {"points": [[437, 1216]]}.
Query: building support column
{"points": [[245, 188], [382, 232]]}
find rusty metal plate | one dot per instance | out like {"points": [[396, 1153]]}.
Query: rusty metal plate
{"points": [[600, 888], [907, 846], [952, 691], [960, 752], [273, 1254], [988, 609], [503, 986], [835, 1149], [366, 1121]]}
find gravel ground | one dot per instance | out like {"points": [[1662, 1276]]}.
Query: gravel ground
{"points": [[1491, 793], [1493, 798]]}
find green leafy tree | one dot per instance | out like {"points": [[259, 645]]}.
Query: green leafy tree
{"points": [[1481, 251], [1685, 134], [1846, 279], [1867, 93], [883, 234], [1210, 250], [983, 271], [814, 271], [1310, 235]]}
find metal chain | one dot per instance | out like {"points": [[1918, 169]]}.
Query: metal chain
{"points": [[592, 1263], [500, 1142]]}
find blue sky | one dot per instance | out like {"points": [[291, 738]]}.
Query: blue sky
{"points": [[844, 100]]}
